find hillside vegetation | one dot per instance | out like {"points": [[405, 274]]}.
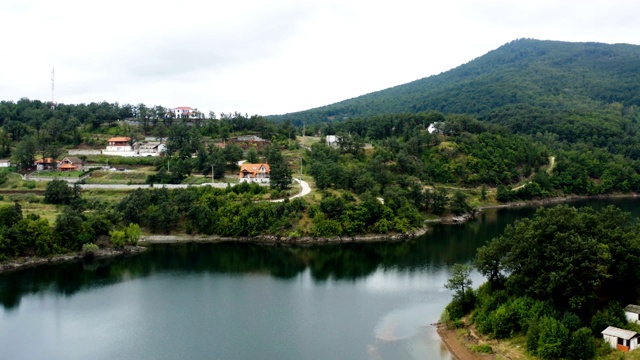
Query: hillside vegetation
{"points": [[549, 74]]}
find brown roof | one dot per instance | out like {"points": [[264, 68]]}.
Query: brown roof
{"points": [[73, 159], [67, 166], [119, 139]]}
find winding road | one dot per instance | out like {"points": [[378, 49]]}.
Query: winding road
{"points": [[306, 189]]}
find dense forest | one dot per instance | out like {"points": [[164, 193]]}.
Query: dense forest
{"points": [[550, 74], [559, 279]]}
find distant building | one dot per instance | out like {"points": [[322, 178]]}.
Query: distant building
{"points": [[435, 127], [332, 140], [259, 173], [149, 148], [70, 163], [632, 312], [5, 163], [121, 146], [45, 164], [185, 112]]}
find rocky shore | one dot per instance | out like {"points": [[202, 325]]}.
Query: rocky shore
{"points": [[27, 262], [280, 240]]}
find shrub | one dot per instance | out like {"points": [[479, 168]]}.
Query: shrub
{"points": [[483, 349], [29, 184], [89, 248], [533, 336], [132, 233], [553, 338], [504, 321], [582, 345], [117, 238]]}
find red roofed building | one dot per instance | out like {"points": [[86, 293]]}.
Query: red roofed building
{"points": [[255, 173], [118, 145], [185, 112]]}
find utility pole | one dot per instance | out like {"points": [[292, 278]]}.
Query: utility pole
{"points": [[53, 104], [300, 171]]}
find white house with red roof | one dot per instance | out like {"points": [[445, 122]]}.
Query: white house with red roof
{"points": [[185, 112], [259, 173], [119, 146]]}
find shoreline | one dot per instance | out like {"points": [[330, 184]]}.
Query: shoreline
{"points": [[280, 240], [146, 240], [34, 261]]}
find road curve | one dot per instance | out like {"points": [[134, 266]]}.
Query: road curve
{"points": [[306, 189]]}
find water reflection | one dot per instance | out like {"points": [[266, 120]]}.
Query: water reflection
{"points": [[442, 246]]}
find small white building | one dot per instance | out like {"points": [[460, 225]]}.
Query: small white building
{"points": [[632, 312], [5, 163], [435, 127], [150, 149], [621, 339], [332, 140]]}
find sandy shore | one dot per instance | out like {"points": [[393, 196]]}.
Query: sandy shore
{"points": [[457, 347]]}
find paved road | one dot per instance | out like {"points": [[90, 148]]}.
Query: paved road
{"points": [[306, 189]]}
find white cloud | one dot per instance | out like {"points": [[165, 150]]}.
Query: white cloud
{"points": [[269, 57]]}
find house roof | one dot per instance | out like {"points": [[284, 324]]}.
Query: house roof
{"points": [[632, 309], [73, 159], [44, 161], [67, 166], [253, 168], [5, 160], [119, 139], [183, 108], [620, 333]]}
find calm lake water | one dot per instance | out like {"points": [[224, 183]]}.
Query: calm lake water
{"points": [[232, 301]]}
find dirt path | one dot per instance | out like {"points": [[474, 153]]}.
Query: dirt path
{"points": [[552, 164], [457, 349]]}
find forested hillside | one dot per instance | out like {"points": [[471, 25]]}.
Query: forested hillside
{"points": [[554, 75]]}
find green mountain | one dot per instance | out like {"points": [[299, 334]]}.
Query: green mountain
{"points": [[523, 73]]}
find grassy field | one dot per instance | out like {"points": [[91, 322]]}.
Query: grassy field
{"points": [[58, 174], [118, 177]]}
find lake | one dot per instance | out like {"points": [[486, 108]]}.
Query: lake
{"points": [[236, 301]]}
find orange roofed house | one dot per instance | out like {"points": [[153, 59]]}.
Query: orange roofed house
{"points": [[70, 163], [45, 164], [259, 173], [119, 146]]}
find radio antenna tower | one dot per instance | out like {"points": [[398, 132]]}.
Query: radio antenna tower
{"points": [[53, 104]]}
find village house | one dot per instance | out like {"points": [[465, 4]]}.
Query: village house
{"points": [[621, 339], [632, 312], [70, 163], [259, 173], [5, 163], [45, 164], [121, 146], [185, 112], [150, 148]]}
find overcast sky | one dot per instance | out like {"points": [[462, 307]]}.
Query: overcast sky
{"points": [[269, 57]]}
